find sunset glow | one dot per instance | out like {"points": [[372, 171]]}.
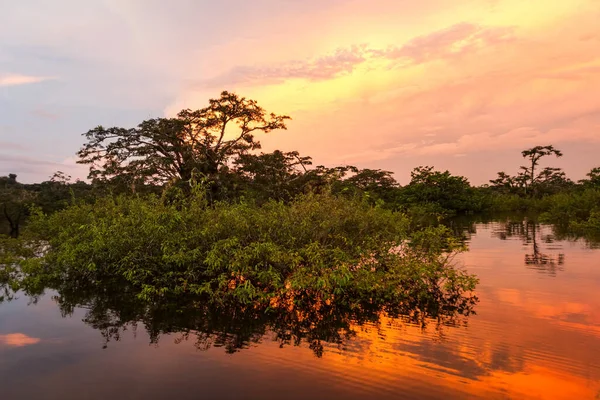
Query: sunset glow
{"points": [[381, 84]]}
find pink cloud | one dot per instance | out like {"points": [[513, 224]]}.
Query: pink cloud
{"points": [[479, 87], [445, 44], [19, 79], [456, 40], [340, 62]]}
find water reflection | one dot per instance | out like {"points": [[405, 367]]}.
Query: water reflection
{"points": [[543, 254], [114, 309], [17, 340], [538, 240], [535, 336]]}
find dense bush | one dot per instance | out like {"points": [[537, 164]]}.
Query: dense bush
{"points": [[439, 190], [577, 211], [319, 244]]}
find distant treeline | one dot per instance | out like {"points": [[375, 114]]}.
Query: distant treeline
{"points": [[215, 148]]}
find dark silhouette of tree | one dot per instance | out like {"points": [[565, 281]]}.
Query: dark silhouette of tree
{"points": [[428, 186], [593, 178], [14, 201], [534, 155], [506, 183], [375, 180], [527, 181], [275, 175], [196, 143]]}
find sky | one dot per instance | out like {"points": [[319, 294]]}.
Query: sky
{"points": [[462, 85]]}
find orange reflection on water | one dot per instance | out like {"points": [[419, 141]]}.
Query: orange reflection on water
{"points": [[536, 335], [433, 365], [18, 340]]}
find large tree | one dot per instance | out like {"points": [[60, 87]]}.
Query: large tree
{"points": [[193, 144]]}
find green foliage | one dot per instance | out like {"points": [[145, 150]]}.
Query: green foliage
{"points": [[12, 253], [577, 211], [593, 179], [441, 191], [590, 226], [506, 202], [322, 244], [276, 175]]}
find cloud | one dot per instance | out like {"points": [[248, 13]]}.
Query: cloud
{"points": [[18, 79], [515, 138], [340, 62], [433, 78], [36, 168], [28, 160], [449, 43], [576, 73]]}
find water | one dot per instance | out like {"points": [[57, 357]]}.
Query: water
{"points": [[535, 335]]}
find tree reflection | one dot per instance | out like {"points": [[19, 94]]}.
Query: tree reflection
{"points": [[542, 254], [114, 309], [533, 235]]}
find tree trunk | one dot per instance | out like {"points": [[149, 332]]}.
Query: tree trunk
{"points": [[14, 224]]}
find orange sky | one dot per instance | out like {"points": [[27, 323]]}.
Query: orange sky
{"points": [[398, 84], [381, 83]]}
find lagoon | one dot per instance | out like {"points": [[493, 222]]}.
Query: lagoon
{"points": [[535, 334]]}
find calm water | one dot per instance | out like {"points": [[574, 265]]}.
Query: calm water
{"points": [[535, 335]]}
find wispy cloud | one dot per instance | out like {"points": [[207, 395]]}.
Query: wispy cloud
{"points": [[19, 79], [446, 44], [434, 79], [25, 166], [449, 43], [340, 62]]}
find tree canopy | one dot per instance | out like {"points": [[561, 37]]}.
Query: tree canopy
{"points": [[527, 181], [195, 143]]}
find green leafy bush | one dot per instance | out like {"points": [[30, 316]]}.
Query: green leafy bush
{"points": [[576, 210], [320, 245]]}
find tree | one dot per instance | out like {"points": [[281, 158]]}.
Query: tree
{"points": [[377, 184], [275, 175], [535, 154], [593, 178], [505, 183], [194, 144], [375, 180], [549, 180], [14, 201], [449, 192]]}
